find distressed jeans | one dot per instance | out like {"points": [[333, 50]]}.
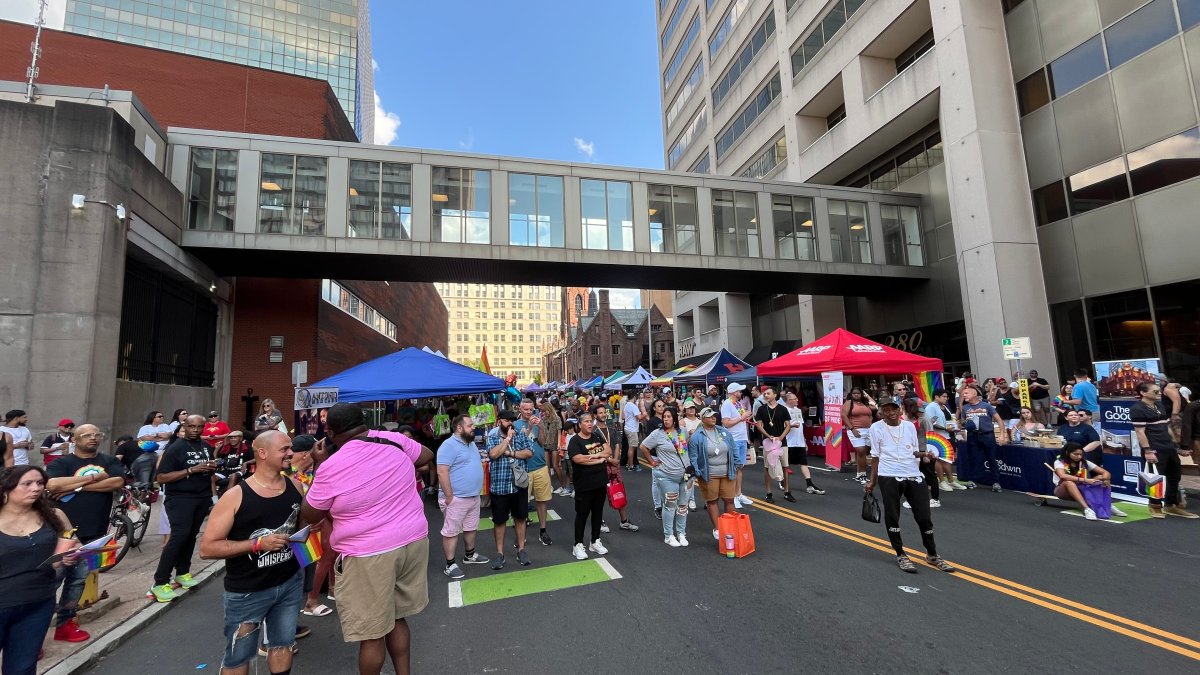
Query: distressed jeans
{"points": [[674, 502]]}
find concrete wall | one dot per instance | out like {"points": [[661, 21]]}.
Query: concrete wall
{"points": [[135, 399]]}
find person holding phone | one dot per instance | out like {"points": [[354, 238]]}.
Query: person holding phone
{"points": [[186, 470]]}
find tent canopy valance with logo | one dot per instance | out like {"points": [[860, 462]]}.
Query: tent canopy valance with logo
{"points": [[848, 353]]}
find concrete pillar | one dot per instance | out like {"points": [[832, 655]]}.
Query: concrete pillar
{"points": [[999, 268], [337, 197], [422, 207]]}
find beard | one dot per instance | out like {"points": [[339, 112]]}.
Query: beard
{"points": [[467, 437]]}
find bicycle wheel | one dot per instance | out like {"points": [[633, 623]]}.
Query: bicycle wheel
{"points": [[140, 517], [122, 532]]}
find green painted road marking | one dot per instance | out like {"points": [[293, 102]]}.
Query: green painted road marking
{"points": [[486, 523], [527, 582], [1134, 513]]}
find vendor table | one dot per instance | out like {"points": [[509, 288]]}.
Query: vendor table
{"points": [[1021, 467]]}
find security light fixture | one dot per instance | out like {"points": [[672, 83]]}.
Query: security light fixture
{"points": [[78, 201]]}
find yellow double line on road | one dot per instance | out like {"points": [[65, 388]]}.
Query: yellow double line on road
{"points": [[1097, 617]]}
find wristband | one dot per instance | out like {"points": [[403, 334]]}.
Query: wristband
{"points": [[256, 546]]}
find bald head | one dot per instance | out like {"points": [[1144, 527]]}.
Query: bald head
{"points": [[193, 426], [272, 451], [87, 439]]}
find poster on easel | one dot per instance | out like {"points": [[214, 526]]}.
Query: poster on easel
{"points": [[832, 392]]}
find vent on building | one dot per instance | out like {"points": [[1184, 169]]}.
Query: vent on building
{"points": [[276, 342], [276, 357]]}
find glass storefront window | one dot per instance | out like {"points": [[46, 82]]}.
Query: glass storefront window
{"points": [[607, 210], [901, 235], [1049, 203], [1098, 186], [291, 196], [735, 220], [674, 222], [1121, 326], [1189, 12], [795, 235], [848, 231], [1077, 67], [1070, 338], [380, 200], [462, 205], [1177, 310], [212, 189], [535, 209], [1140, 31], [1166, 162]]}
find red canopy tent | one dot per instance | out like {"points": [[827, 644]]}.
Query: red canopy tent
{"points": [[844, 351]]}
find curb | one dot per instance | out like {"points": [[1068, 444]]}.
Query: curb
{"points": [[110, 641]]}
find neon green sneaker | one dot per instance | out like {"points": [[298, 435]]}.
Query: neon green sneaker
{"points": [[186, 580], [163, 593]]}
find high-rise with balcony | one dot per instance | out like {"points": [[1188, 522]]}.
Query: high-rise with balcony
{"points": [[325, 39], [1054, 144]]}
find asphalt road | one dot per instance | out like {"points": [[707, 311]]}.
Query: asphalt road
{"points": [[1041, 592]]}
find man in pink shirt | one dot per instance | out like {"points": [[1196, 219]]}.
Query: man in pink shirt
{"points": [[379, 529]]}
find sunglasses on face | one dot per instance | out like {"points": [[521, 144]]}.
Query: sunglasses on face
{"points": [[157, 416], [68, 426]]}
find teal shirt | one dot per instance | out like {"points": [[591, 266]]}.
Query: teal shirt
{"points": [[539, 453]]}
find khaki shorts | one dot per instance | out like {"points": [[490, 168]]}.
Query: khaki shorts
{"points": [[539, 485], [374, 592], [716, 487]]}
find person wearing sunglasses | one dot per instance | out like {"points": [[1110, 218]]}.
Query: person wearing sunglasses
{"points": [[155, 430], [58, 444]]}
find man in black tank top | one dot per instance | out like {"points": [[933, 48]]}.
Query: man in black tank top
{"points": [[249, 528]]}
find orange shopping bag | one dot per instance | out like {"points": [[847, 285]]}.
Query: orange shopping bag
{"points": [[734, 535]]}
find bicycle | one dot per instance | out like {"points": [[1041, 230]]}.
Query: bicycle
{"points": [[136, 501]]}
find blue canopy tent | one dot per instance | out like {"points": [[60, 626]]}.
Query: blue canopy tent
{"points": [[716, 370], [747, 377], [408, 373], [592, 383]]}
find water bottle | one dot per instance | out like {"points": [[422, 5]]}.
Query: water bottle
{"points": [[289, 527], [1017, 435], [729, 546]]}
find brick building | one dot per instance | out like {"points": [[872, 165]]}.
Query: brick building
{"points": [[607, 340]]}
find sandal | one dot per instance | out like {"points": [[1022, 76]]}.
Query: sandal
{"points": [[939, 563], [319, 610], [905, 564]]}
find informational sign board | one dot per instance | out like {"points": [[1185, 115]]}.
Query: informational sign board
{"points": [[299, 373], [832, 385], [1016, 348]]}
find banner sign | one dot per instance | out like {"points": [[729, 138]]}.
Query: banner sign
{"points": [[1016, 348], [1022, 468], [1124, 472], [1116, 426], [831, 391], [1023, 390], [311, 406], [1121, 378], [315, 397]]}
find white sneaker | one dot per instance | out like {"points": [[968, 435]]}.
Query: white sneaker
{"points": [[578, 552], [743, 501], [947, 486], [692, 505], [934, 503], [905, 504], [1089, 514], [1118, 512], [671, 541], [716, 535], [597, 548], [558, 491], [604, 528], [682, 538]]}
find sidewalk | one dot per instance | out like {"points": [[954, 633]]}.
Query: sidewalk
{"points": [[126, 585]]}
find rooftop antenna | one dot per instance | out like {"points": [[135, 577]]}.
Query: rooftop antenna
{"points": [[35, 48]]}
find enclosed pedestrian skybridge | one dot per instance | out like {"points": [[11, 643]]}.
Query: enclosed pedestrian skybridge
{"points": [[282, 207]]}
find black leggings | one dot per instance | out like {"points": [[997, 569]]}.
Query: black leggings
{"points": [[186, 515], [1171, 469], [589, 502], [917, 494], [931, 478]]}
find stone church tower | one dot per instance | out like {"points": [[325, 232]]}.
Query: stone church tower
{"points": [[576, 304]]}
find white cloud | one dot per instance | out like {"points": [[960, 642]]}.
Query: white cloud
{"points": [[374, 65], [624, 298], [387, 124], [26, 11], [587, 148], [469, 141]]}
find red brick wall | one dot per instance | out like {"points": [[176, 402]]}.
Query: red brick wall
{"points": [[181, 90]]}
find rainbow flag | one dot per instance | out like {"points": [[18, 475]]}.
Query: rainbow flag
{"points": [[308, 551], [103, 558], [925, 383], [941, 445], [483, 362]]}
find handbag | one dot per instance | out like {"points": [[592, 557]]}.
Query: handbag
{"points": [[616, 494], [1151, 482], [870, 508], [1099, 498], [751, 455], [520, 474]]}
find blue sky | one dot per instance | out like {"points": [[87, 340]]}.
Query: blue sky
{"points": [[564, 80]]}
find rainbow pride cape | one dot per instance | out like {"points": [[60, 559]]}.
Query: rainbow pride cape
{"points": [[308, 551], [941, 445], [925, 383]]}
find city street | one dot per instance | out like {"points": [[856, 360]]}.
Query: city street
{"points": [[1039, 591]]}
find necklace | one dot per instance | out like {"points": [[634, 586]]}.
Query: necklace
{"points": [[268, 487], [899, 432]]}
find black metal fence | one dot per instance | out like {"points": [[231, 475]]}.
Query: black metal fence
{"points": [[168, 330]]}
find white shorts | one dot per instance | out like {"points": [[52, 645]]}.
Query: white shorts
{"points": [[858, 442]]}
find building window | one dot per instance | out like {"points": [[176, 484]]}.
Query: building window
{"points": [[1009, 5], [822, 32], [212, 189], [745, 119], [1138, 32], [1077, 67], [461, 205], [1165, 162], [337, 295], [901, 235], [291, 198], [775, 155], [674, 219], [915, 51], [1049, 203], [702, 165], [795, 236], [616, 350], [380, 200], [836, 117], [1189, 12], [741, 64], [1121, 326], [1178, 315], [1033, 92], [168, 331], [690, 133], [535, 209], [685, 93], [673, 23], [1098, 186], [595, 350], [607, 210], [735, 13], [676, 61], [848, 231], [735, 220], [913, 156]]}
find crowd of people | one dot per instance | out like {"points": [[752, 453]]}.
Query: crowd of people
{"points": [[257, 488]]}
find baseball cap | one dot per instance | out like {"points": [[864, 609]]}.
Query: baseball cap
{"points": [[303, 443], [736, 386], [214, 413], [708, 412], [889, 403], [66, 422], [509, 415], [690, 403], [1001, 380]]}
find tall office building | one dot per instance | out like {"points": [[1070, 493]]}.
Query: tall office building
{"points": [[1054, 143], [515, 323], [326, 39]]}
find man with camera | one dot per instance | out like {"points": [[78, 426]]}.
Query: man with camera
{"points": [[186, 470], [508, 453]]}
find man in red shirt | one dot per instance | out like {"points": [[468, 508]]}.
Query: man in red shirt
{"points": [[215, 430]]}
